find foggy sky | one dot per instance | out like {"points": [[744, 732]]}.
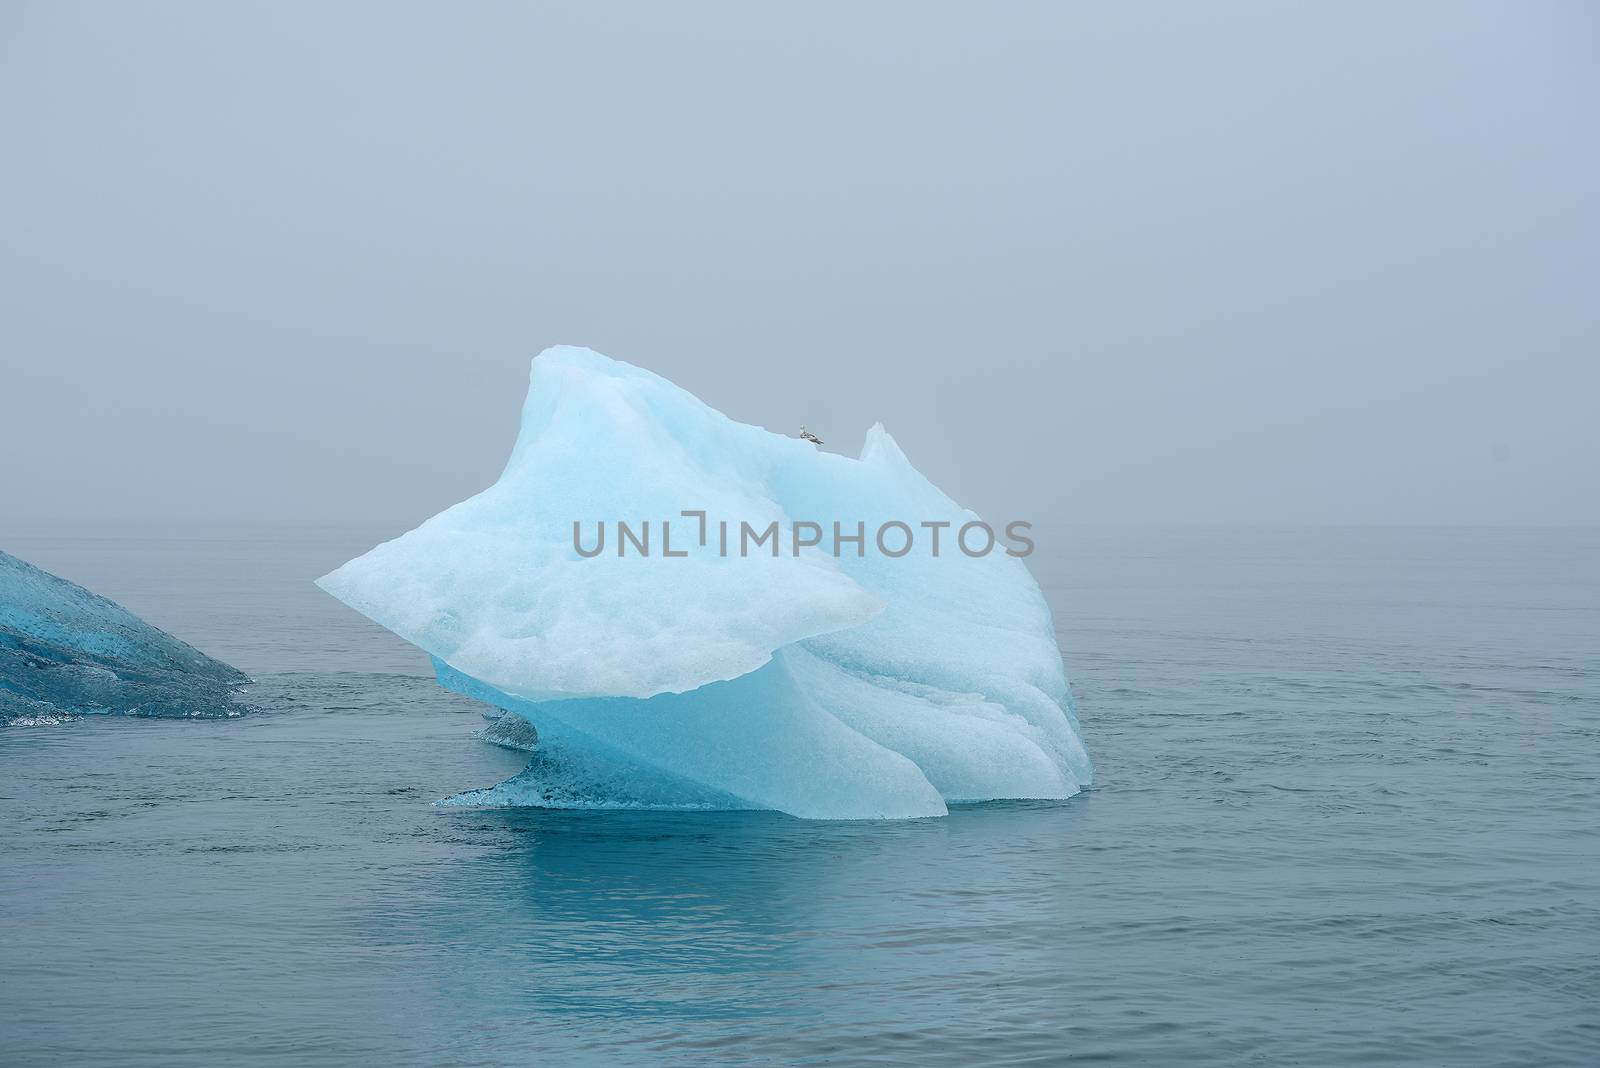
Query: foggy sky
{"points": [[1123, 263]]}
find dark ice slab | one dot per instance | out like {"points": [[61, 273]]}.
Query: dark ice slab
{"points": [[65, 651]]}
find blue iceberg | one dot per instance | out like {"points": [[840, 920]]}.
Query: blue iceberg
{"points": [[604, 592], [65, 651]]}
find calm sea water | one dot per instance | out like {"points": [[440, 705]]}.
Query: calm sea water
{"points": [[1348, 813]]}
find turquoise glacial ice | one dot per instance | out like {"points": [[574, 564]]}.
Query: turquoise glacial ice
{"points": [[65, 651], [848, 687]]}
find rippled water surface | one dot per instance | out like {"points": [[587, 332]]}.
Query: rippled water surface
{"points": [[1348, 813]]}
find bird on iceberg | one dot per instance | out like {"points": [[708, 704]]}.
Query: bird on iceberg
{"points": [[807, 435]]}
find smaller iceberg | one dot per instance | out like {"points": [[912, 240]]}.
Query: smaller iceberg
{"points": [[65, 651]]}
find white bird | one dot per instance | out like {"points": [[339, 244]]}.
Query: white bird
{"points": [[807, 435]]}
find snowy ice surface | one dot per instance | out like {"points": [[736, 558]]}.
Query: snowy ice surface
{"points": [[836, 688], [65, 651]]}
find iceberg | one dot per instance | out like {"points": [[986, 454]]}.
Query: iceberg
{"points": [[65, 651], [605, 592]]}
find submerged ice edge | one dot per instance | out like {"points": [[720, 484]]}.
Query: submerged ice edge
{"points": [[863, 686]]}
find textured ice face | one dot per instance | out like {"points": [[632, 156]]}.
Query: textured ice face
{"points": [[850, 687], [66, 651], [494, 588]]}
